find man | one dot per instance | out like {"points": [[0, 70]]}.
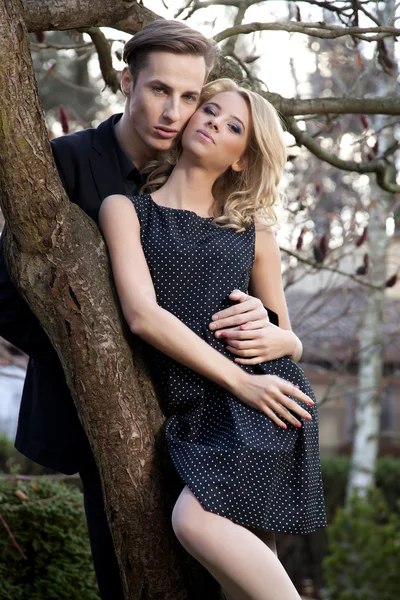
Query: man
{"points": [[167, 65]]}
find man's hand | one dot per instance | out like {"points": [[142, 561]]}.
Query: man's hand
{"points": [[248, 332]]}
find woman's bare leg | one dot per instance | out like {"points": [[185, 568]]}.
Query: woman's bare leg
{"points": [[245, 567]]}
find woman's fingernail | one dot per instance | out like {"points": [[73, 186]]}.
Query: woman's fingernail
{"points": [[222, 334]]}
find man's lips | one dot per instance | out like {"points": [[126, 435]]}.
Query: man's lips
{"points": [[206, 136], [166, 132]]}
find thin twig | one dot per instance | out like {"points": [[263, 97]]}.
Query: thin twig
{"points": [[14, 541]]}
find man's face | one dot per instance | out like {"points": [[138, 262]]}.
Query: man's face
{"points": [[163, 98]]}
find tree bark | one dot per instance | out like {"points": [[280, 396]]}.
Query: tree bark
{"points": [[47, 15], [72, 294]]}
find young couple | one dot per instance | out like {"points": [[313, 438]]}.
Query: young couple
{"points": [[242, 432]]}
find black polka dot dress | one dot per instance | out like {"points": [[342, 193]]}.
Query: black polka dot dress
{"points": [[234, 459]]}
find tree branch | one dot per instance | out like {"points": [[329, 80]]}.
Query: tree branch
{"points": [[103, 46], [47, 15], [290, 107], [383, 171], [322, 267], [318, 30]]}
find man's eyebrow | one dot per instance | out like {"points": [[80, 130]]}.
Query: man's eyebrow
{"points": [[168, 87], [231, 116]]}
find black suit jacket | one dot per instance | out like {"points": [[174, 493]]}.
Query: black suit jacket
{"points": [[49, 431]]}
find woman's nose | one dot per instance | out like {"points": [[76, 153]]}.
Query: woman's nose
{"points": [[213, 125]]}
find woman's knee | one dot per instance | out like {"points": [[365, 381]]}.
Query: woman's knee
{"points": [[188, 520]]}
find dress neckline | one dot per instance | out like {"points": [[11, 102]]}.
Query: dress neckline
{"points": [[178, 210]]}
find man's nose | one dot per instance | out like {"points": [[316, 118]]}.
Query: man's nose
{"points": [[171, 110]]}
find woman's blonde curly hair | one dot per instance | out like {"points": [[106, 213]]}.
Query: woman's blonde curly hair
{"points": [[248, 195]]}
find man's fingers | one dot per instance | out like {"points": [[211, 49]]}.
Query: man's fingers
{"points": [[245, 344], [229, 322], [256, 360], [238, 296], [235, 309], [247, 353], [260, 324]]}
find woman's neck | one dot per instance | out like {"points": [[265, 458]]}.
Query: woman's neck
{"points": [[188, 188]]}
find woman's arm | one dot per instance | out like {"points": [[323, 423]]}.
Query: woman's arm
{"points": [[168, 334]]}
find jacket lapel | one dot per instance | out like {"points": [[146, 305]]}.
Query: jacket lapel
{"points": [[104, 161]]}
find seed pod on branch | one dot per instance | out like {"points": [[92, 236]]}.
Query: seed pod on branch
{"points": [[64, 119], [318, 256], [40, 35], [300, 239], [324, 244], [383, 57], [364, 121], [391, 281], [363, 269], [362, 238]]}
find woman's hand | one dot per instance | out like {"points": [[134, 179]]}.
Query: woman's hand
{"points": [[270, 394]]}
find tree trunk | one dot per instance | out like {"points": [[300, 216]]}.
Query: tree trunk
{"points": [[371, 355], [72, 294], [370, 369]]}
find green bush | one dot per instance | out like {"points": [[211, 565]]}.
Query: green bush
{"points": [[364, 552], [335, 471], [11, 461], [47, 520]]}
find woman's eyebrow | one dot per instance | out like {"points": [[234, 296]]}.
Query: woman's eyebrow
{"points": [[231, 116]]}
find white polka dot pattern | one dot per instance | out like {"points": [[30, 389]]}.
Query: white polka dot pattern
{"points": [[236, 461]]}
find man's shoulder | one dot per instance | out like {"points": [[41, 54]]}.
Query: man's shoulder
{"points": [[80, 141], [73, 140]]}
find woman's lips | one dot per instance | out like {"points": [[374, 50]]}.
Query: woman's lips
{"points": [[206, 136], [166, 133]]}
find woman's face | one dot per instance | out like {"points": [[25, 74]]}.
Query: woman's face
{"points": [[218, 132]]}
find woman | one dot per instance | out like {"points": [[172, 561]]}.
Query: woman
{"points": [[243, 438]]}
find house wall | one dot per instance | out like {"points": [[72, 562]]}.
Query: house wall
{"points": [[336, 395]]}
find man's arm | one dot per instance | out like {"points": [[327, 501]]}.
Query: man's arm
{"points": [[253, 333]]}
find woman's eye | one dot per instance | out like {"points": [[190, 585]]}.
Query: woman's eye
{"points": [[235, 128], [209, 111]]}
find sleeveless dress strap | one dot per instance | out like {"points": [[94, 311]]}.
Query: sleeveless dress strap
{"points": [[142, 206]]}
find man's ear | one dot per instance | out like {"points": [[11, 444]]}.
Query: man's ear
{"points": [[126, 82]]}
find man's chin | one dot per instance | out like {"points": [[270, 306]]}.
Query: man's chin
{"points": [[159, 144]]}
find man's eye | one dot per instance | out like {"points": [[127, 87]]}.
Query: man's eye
{"points": [[158, 90], [191, 97]]}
